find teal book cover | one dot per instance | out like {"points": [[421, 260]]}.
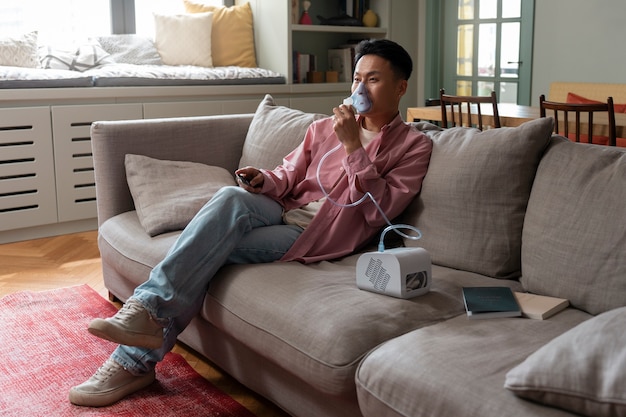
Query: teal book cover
{"points": [[490, 302]]}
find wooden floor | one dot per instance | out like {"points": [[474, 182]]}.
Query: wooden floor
{"points": [[68, 260]]}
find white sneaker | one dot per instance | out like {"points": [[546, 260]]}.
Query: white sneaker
{"points": [[132, 325], [109, 384]]}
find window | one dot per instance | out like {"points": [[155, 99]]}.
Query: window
{"points": [[70, 22], [144, 9], [59, 22], [486, 46]]}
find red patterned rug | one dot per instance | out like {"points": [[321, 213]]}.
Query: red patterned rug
{"points": [[45, 349]]}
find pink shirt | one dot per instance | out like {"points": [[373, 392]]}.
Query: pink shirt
{"points": [[391, 168]]}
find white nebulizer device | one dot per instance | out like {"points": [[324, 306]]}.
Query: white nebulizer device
{"points": [[359, 100]]}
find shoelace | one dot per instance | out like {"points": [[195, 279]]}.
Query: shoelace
{"points": [[128, 311], [107, 370]]}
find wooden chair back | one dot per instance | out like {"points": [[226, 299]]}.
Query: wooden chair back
{"points": [[466, 110], [562, 124]]}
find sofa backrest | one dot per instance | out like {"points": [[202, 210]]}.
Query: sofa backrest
{"points": [[473, 199], [574, 240]]}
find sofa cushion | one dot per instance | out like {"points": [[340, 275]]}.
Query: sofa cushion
{"points": [[581, 371], [232, 39], [473, 199], [574, 233], [167, 194], [274, 132], [456, 368], [320, 325], [19, 51], [20, 77], [184, 39]]}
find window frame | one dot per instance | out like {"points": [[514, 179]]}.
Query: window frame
{"points": [[123, 15]]}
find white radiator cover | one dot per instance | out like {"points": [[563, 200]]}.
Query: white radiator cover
{"points": [[76, 190], [27, 183]]}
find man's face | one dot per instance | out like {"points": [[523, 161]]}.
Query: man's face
{"points": [[383, 87]]}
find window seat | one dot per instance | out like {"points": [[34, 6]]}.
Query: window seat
{"points": [[123, 75]]}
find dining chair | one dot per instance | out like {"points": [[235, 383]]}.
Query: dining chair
{"points": [[430, 102], [565, 109], [473, 116]]}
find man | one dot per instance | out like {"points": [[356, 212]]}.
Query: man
{"points": [[286, 214]]}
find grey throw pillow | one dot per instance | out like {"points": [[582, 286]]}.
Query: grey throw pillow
{"points": [[474, 196], [274, 132], [575, 227], [581, 371], [130, 49], [168, 194]]}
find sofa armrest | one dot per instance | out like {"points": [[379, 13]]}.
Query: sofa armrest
{"points": [[212, 140]]}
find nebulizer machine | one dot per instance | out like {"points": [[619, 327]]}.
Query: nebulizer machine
{"points": [[399, 272]]}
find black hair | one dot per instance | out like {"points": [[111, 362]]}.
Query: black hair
{"points": [[398, 57]]}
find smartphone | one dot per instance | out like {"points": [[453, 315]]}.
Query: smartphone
{"points": [[244, 180]]}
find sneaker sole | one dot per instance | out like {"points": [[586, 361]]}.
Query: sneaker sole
{"points": [[103, 399], [104, 330]]}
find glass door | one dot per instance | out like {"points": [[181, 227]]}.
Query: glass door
{"points": [[488, 47]]}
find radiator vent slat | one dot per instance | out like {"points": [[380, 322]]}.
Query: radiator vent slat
{"points": [[22, 143], [17, 161], [24, 127], [15, 193], [84, 200], [17, 176], [12, 209]]}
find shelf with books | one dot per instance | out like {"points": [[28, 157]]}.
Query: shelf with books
{"points": [[317, 38], [280, 37]]}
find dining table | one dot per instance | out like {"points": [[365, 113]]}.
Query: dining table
{"points": [[512, 115]]}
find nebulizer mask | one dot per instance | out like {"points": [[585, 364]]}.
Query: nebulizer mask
{"points": [[359, 100]]}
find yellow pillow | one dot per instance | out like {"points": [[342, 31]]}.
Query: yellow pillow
{"points": [[232, 38]]}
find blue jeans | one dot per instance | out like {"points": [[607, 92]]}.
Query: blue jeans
{"points": [[234, 227]]}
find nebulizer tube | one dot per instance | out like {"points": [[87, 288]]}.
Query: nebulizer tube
{"points": [[361, 103]]}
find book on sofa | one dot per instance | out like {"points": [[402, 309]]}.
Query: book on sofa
{"points": [[490, 302], [540, 307]]}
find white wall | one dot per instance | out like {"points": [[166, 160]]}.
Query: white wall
{"points": [[578, 40]]}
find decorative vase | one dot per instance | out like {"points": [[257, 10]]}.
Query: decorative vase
{"points": [[305, 19], [370, 19]]}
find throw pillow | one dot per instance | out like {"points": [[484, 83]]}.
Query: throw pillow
{"points": [[274, 132], [232, 39], [167, 194], [576, 99], [184, 39], [19, 51], [130, 49], [574, 227], [83, 58], [474, 195], [581, 371]]}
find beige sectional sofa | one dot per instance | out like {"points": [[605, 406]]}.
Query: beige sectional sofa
{"points": [[514, 207]]}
